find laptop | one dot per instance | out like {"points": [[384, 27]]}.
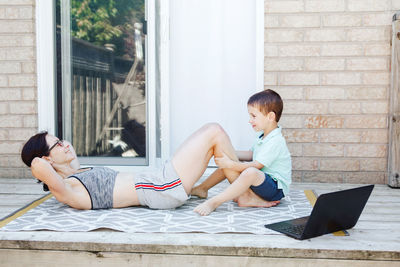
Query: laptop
{"points": [[332, 212]]}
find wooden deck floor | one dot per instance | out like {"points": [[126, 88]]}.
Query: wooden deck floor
{"points": [[374, 241]]}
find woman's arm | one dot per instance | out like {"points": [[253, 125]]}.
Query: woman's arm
{"points": [[43, 171]]}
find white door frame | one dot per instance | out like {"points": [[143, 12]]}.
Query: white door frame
{"points": [[164, 77], [260, 12], [46, 71]]}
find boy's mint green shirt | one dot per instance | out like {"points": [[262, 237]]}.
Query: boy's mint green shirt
{"points": [[272, 152]]}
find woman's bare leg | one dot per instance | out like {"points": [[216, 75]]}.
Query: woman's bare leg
{"points": [[202, 189], [192, 157]]}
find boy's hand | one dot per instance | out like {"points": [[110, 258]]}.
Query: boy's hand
{"points": [[224, 162]]}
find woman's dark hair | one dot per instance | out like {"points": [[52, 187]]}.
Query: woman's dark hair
{"points": [[36, 146], [267, 101]]}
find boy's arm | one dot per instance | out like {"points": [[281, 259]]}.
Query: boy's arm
{"points": [[245, 155], [226, 163]]}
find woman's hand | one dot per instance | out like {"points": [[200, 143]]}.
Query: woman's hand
{"points": [[224, 162], [38, 165], [37, 162], [43, 170]]}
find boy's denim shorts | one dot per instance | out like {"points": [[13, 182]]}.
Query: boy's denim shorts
{"points": [[268, 190]]}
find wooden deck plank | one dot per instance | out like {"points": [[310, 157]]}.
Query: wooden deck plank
{"points": [[19, 199], [71, 259], [373, 225], [21, 189], [17, 181], [371, 245]]}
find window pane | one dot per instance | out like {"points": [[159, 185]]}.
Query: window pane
{"points": [[101, 85]]}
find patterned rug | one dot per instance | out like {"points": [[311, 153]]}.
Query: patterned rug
{"points": [[228, 218]]}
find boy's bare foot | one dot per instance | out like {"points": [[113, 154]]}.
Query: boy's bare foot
{"points": [[205, 208], [199, 192], [250, 199]]}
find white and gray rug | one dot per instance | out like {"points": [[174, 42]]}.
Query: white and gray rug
{"points": [[228, 218]]}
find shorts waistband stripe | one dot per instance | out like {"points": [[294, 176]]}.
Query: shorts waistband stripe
{"points": [[162, 187], [172, 182]]}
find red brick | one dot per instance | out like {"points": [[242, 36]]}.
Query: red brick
{"points": [[323, 150], [324, 122], [340, 136], [367, 121], [309, 107], [322, 177], [365, 178], [300, 135], [342, 164], [302, 163], [376, 136], [373, 164], [366, 150]]}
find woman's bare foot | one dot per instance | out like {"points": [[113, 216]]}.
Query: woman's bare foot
{"points": [[199, 192], [205, 208], [250, 199]]}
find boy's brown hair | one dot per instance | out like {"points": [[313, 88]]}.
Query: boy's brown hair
{"points": [[267, 101]]}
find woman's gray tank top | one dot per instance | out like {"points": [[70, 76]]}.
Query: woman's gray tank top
{"points": [[99, 182]]}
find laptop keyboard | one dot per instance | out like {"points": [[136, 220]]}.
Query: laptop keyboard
{"points": [[293, 229]]}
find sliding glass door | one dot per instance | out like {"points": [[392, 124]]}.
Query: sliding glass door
{"points": [[101, 95]]}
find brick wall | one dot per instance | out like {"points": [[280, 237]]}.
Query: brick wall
{"points": [[330, 61], [18, 104]]}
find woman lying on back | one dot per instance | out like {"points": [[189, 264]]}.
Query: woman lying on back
{"points": [[54, 162]]}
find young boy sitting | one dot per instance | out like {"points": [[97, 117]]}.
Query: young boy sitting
{"points": [[263, 181]]}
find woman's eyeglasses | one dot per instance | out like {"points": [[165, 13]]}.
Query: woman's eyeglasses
{"points": [[58, 143]]}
